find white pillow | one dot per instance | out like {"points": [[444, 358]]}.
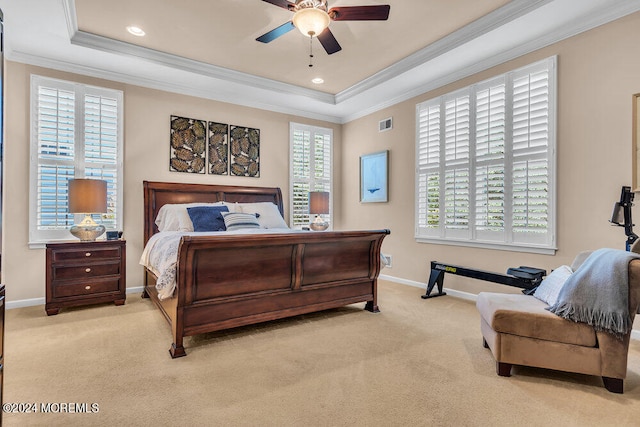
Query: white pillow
{"points": [[232, 206], [580, 258], [268, 214], [552, 284], [174, 217]]}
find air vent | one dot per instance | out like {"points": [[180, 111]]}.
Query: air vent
{"points": [[385, 124]]}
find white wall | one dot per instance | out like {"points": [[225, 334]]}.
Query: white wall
{"points": [[598, 72], [146, 157]]}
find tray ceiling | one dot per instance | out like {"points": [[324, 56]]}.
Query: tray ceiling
{"points": [[208, 48]]}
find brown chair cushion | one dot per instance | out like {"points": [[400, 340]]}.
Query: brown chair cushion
{"points": [[525, 316]]}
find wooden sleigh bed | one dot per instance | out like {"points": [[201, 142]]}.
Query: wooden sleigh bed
{"points": [[229, 281]]}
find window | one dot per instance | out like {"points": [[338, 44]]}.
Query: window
{"points": [[76, 132], [485, 163], [310, 156]]}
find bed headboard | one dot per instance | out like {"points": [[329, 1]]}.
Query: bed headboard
{"points": [[157, 194]]}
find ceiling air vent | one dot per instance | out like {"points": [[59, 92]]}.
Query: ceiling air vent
{"points": [[385, 124]]}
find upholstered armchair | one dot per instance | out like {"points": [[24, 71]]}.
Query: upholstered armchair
{"points": [[520, 331]]}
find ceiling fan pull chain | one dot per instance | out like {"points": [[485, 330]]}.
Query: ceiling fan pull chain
{"points": [[310, 51]]}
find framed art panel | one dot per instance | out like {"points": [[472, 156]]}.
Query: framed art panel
{"points": [[187, 145], [218, 148], [374, 177], [635, 143], [245, 151]]}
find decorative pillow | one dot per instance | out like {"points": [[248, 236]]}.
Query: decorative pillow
{"points": [[207, 218], [239, 220], [551, 285], [580, 258], [167, 219], [233, 206], [267, 213], [174, 217]]}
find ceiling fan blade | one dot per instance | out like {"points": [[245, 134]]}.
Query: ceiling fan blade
{"points": [[329, 42], [276, 32], [360, 13], [282, 3]]}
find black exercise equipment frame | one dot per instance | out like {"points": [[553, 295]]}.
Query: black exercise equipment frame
{"points": [[527, 278], [624, 220]]}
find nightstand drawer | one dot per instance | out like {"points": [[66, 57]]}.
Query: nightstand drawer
{"points": [[87, 255], [86, 271], [62, 290]]}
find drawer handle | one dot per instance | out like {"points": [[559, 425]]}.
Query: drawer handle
{"points": [[88, 270], [87, 254], [87, 287]]}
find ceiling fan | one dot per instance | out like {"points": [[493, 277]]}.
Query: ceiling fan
{"points": [[312, 18]]}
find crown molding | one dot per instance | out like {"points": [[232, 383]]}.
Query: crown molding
{"points": [[69, 7], [489, 22], [173, 87], [105, 44], [577, 27], [382, 90], [493, 20]]}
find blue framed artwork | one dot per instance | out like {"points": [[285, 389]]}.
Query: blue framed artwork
{"points": [[374, 177]]}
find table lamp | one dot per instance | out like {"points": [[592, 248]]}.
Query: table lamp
{"points": [[87, 196], [318, 205]]}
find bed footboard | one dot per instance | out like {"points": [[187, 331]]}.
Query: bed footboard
{"points": [[242, 280]]}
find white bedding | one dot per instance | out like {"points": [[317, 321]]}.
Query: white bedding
{"points": [[160, 255]]}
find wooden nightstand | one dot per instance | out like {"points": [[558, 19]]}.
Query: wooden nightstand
{"points": [[85, 273]]}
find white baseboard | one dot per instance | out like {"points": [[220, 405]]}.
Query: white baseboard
{"points": [[40, 301], [25, 303], [635, 333], [452, 292], [136, 290]]}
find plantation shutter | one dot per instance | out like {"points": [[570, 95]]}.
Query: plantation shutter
{"points": [[101, 149], [322, 162], [490, 161], [56, 153], [428, 170], [456, 166], [76, 133], [301, 177], [530, 163], [485, 163], [310, 169]]}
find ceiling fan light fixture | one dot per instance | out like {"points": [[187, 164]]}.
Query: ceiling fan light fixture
{"points": [[311, 21]]}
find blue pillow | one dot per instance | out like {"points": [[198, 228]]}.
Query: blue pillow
{"points": [[207, 218]]}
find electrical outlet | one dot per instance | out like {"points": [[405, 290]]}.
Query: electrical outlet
{"points": [[388, 260]]}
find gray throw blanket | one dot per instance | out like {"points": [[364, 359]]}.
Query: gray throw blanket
{"points": [[597, 293]]}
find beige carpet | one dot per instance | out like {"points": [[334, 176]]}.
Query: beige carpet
{"points": [[416, 363]]}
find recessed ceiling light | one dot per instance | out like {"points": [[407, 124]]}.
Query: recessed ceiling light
{"points": [[136, 31], [317, 81]]}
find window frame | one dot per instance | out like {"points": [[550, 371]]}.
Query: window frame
{"points": [[472, 237], [38, 238], [293, 127]]}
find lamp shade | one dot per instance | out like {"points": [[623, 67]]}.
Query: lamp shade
{"points": [[311, 21], [319, 202], [87, 196]]}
